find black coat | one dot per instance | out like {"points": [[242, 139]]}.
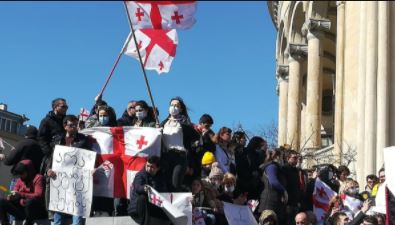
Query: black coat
{"points": [[248, 174], [50, 127], [141, 179], [125, 120], [292, 185], [28, 148], [190, 141]]}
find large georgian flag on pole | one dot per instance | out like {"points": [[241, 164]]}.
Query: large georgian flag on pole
{"points": [[162, 14], [122, 152], [157, 48], [321, 197]]}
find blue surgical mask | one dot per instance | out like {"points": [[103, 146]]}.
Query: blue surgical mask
{"points": [[103, 120]]}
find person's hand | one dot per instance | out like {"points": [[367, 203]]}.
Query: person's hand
{"points": [[366, 205], [51, 173], [146, 188], [14, 195], [98, 98], [2, 157]]}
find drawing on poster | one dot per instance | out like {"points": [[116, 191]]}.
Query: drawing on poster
{"points": [[71, 189]]}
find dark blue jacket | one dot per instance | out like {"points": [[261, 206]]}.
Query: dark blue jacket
{"points": [[141, 179]]}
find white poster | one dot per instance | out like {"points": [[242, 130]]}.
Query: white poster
{"points": [[239, 214], [71, 189]]}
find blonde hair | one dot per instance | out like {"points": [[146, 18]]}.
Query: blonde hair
{"points": [[229, 177]]}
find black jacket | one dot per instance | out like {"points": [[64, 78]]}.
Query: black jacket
{"points": [[292, 185], [141, 179], [28, 148], [190, 140], [125, 120], [50, 127]]}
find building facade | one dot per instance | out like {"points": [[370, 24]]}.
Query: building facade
{"points": [[336, 80], [12, 129]]}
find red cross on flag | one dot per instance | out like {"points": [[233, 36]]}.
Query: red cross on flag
{"points": [[157, 48], [321, 197], [162, 14], [122, 152], [84, 114]]}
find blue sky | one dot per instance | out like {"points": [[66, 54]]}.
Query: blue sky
{"points": [[224, 66]]}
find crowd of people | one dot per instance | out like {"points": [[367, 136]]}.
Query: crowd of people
{"points": [[219, 167]]}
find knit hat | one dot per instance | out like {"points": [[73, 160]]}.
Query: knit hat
{"points": [[206, 118], [31, 132], [208, 158], [215, 171]]}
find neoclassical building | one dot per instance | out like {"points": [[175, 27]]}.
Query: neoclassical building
{"points": [[336, 80]]}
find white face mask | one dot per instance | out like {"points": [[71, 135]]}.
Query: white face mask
{"points": [[174, 110], [229, 189], [140, 115]]}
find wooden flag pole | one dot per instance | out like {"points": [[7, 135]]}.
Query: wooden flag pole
{"points": [[114, 66], [142, 66]]}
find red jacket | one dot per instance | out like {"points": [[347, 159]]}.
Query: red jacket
{"points": [[32, 186]]}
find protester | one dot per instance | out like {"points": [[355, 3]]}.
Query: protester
{"points": [[292, 184], [178, 137], [203, 199], [381, 181], [371, 181], [229, 184], [225, 158], [301, 219], [26, 201], [51, 126], [144, 116], [207, 161], [93, 119], [28, 148], [247, 170], [150, 176], [268, 217], [342, 174], [129, 115], [274, 196], [70, 138]]}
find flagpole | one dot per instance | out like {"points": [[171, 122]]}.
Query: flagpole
{"points": [[114, 66], [10, 145], [142, 65]]}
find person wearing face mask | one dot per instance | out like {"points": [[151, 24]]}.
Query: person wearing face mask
{"points": [[268, 217], [107, 117], [229, 184], [207, 160], [178, 137], [143, 115]]}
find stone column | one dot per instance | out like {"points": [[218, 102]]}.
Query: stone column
{"points": [[314, 81], [338, 134], [360, 164], [371, 88], [297, 53], [382, 83], [282, 74]]}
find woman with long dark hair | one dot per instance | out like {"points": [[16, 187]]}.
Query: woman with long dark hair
{"points": [[178, 136]]}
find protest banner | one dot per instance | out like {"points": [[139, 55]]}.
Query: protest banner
{"points": [[238, 214], [71, 189]]}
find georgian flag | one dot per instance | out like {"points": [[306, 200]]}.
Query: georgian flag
{"points": [[122, 152], [162, 14], [351, 205], [177, 206], [84, 114], [321, 197], [157, 48]]}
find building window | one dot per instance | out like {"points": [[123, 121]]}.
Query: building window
{"points": [[13, 127], [2, 124], [327, 102]]}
